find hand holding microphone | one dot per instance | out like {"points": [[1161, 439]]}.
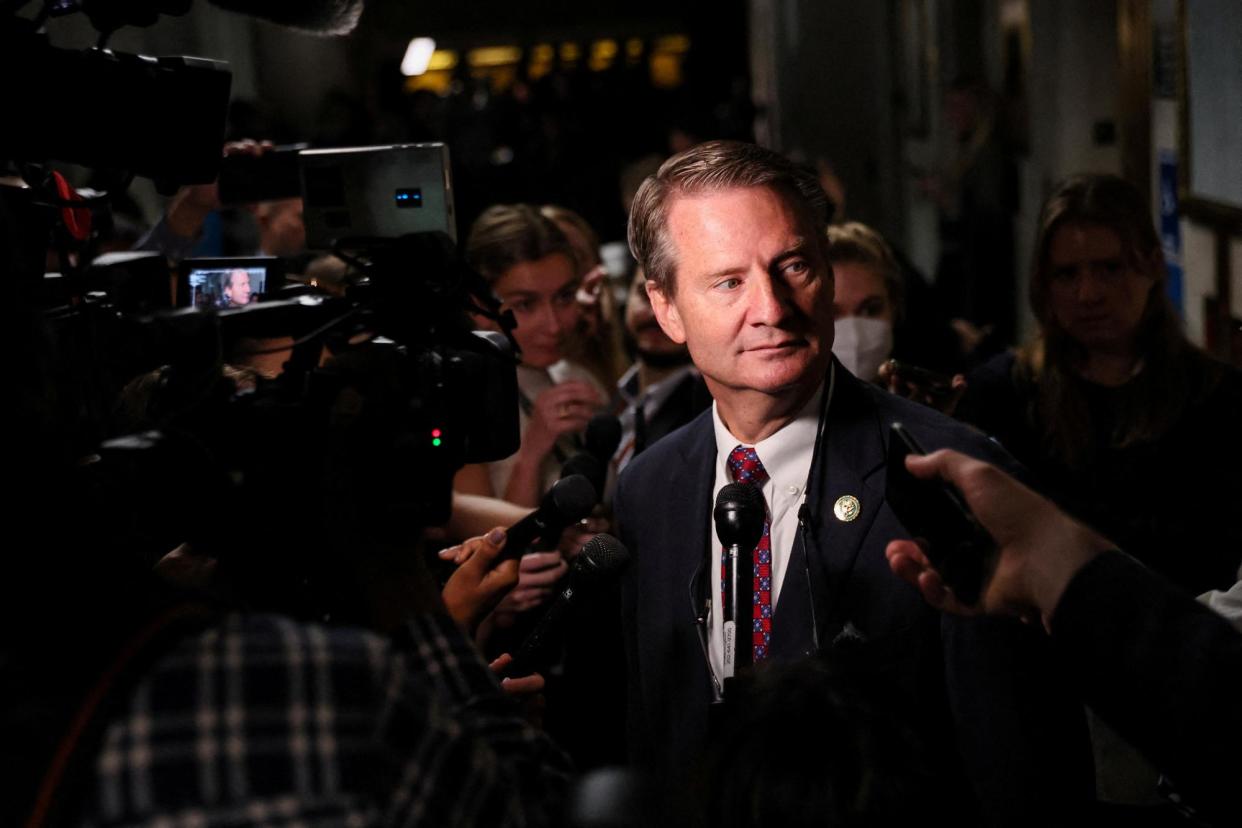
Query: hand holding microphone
{"points": [[601, 558], [479, 582], [569, 500]]}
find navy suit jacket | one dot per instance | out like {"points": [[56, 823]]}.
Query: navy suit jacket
{"points": [[982, 687]]}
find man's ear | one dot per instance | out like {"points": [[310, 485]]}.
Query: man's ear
{"points": [[665, 310]]}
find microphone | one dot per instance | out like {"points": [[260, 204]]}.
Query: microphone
{"points": [[570, 499], [603, 435], [600, 558], [322, 17], [589, 466], [314, 16], [739, 523]]}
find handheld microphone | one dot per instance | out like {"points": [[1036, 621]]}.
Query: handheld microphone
{"points": [[739, 516], [600, 558], [603, 435], [570, 499], [589, 466]]}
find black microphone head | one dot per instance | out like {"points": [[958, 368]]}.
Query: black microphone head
{"points": [[572, 498], [600, 557], [603, 435], [588, 466], [739, 515]]}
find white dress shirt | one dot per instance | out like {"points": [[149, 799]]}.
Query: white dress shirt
{"points": [[786, 456]]}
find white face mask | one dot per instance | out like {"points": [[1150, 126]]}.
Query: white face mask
{"points": [[863, 345]]}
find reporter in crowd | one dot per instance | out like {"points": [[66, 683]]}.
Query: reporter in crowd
{"points": [[1163, 670], [598, 344], [867, 302], [1111, 407], [871, 322], [531, 268]]}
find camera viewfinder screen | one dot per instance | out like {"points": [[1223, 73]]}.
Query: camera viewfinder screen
{"points": [[227, 287], [409, 197]]}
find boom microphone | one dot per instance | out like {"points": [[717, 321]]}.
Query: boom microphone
{"points": [[569, 500], [600, 557], [321, 17], [739, 517]]}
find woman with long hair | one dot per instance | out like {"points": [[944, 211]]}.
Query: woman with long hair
{"points": [[1118, 415], [533, 270]]}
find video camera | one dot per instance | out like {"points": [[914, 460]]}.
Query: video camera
{"points": [[290, 472]]}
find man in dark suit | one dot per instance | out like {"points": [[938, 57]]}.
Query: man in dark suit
{"points": [[662, 390], [731, 239]]}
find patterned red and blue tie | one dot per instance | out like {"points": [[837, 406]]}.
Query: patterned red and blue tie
{"points": [[744, 467]]}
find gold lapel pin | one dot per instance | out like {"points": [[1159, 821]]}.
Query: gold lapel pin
{"points": [[846, 508]]}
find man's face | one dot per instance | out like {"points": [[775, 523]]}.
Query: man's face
{"points": [[640, 322], [237, 291], [753, 297]]}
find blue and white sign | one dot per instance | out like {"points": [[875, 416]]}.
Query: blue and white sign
{"points": [[1170, 226]]}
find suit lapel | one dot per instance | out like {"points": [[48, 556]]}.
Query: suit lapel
{"points": [[695, 478], [674, 585], [853, 451]]}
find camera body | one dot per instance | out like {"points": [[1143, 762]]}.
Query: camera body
{"points": [[381, 192]]}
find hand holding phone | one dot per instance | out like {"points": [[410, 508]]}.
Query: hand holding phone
{"points": [[933, 512]]}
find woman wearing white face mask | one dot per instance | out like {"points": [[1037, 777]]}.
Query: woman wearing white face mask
{"points": [[867, 301]]}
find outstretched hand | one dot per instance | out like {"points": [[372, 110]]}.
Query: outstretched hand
{"points": [[1040, 548], [478, 584]]}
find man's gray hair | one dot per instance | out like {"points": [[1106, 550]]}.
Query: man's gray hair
{"points": [[714, 166]]}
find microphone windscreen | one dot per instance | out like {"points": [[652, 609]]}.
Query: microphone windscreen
{"points": [[586, 465], [739, 515], [573, 498], [600, 557], [322, 17], [603, 435]]}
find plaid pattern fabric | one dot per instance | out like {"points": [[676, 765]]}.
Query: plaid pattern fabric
{"points": [[266, 721], [745, 467]]}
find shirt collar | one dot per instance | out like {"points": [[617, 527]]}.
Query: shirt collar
{"points": [[627, 386], [787, 454], [657, 392]]}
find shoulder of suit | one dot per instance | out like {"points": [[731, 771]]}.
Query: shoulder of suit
{"points": [[674, 448], [933, 429]]}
